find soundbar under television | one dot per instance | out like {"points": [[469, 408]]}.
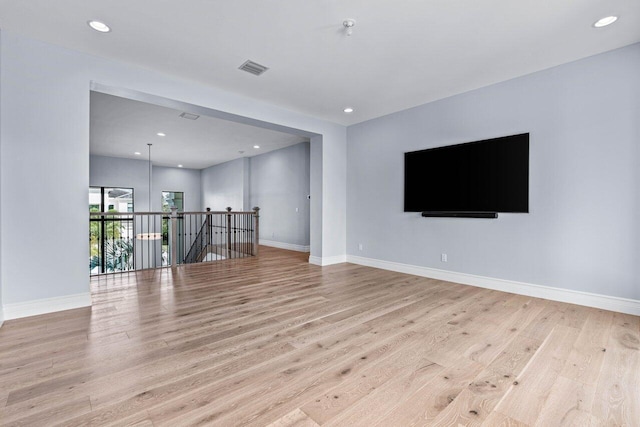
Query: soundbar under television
{"points": [[475, 179]]}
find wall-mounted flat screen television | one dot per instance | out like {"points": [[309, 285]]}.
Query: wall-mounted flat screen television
{"points": [[483, 176]]}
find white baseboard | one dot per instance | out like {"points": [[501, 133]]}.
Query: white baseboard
{"points": [[622, 305], [46, 305], [287, 246], [315, 260], [323, 261]]}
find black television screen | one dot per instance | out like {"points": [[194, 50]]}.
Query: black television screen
{"points": [[483, 176]]}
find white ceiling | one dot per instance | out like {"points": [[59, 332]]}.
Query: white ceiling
{"points": [[120, 127], [402, 53]]}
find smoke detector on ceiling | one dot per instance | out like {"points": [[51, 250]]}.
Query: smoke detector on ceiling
{"points": [[253, 68], [348, 24]]}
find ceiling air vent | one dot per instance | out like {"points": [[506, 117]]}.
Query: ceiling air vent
{"points": [[253, 68], [189, 116]]}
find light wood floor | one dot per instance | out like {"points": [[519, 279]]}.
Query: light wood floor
{"points": [[276, 341]]}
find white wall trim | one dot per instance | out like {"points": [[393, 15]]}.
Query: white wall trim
{"points": [[323, 261], [315, 260], [46, 305], [622, 305], [287, 246]]}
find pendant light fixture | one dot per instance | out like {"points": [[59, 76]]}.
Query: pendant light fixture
{"points": [[149, 236]]}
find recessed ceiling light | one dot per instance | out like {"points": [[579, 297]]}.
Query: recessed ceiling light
{"points": [[137, 153], [256, 146], [161, 134], [608, 20], [99, 26], [348, 110], [179, 166]]}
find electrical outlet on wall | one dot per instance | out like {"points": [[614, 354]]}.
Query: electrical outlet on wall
{"points": [[360, 247], [443, 257]]}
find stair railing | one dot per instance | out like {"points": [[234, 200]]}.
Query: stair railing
{"points": [[144, 240]]}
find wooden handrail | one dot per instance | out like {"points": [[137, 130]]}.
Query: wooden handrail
{"points": [[169, 213]]}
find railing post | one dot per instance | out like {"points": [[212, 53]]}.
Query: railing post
{"points": [[256, 230], [228, 233], [173, 242], [208, 230]]}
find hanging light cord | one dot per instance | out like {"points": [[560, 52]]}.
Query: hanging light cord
{"points": [[149, 176]]}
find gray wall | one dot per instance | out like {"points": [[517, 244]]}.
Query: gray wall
{"points": [[279, 186], [128, 173], [315, 173], [277, 182], [225, 185], [1, 306], [583, 229], [116, 172], [177, 179]]}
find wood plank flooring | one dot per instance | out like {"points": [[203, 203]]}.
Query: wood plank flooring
{"points": [[275, 341]]}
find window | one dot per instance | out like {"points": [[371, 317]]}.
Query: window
{"points": [[172, 199], [110, 237]]}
